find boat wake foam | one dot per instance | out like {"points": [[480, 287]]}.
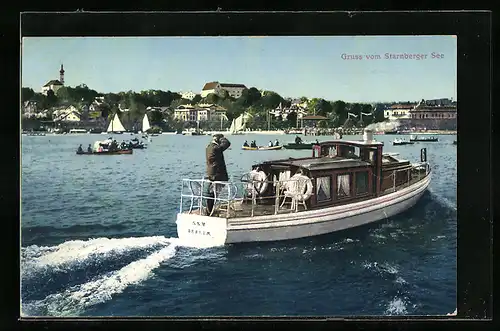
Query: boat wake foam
{"points": [[75, 299], [35, 259], [442, 200], [397, 306], [381, 267]]}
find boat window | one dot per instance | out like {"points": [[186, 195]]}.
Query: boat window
{"points": [[352, 152], [372, 156], [343, 186], [361, 182], [323, 192]]}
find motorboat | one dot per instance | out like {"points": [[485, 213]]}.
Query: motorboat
{"points": [[423, 139], [398, 142], [261, 148], [344, 184]]}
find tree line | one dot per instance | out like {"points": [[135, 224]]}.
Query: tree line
{"points": [[252, 101]]}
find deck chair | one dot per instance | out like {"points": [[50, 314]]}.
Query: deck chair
{"points": [[294, 187]]}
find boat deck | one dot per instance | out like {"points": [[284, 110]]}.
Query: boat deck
{"points": [[239, 209]]}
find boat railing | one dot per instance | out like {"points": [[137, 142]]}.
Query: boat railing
{"points": [[420, 170], [229, 196]]}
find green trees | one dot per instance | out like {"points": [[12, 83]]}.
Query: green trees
{"points": [[251, 101], [27, 94], [291, 120], [197, 98], [212, 98], [249, 97], [155, 117], [270, 100], [323, 107]]}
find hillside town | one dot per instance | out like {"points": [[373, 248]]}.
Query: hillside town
{"points": [[58, 107]]}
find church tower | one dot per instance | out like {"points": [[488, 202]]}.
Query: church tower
{"points": [[61, 75]]}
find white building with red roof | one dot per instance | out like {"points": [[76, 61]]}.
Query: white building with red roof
{"points": [[234, 90]]}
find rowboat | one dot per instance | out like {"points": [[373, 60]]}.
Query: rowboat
{"points": [[261, 148], [299, 146], [119, 152], [398, 142], [419, 139], [344, 184]]}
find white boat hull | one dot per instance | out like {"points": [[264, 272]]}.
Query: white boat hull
{"points": [[205, 231]]}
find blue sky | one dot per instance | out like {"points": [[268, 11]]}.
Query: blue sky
{"points": [[290, 66]]}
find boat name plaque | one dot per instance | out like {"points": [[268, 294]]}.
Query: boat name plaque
{"points": [[193, 231]]}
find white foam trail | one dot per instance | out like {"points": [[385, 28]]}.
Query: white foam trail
{"points": [[384, 267], [400, 280], [76, 299], [69, 252], [445, 201], [396, 307], [190, 256]]}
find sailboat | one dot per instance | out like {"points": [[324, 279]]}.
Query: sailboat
{"points": [[116, 126], [237, 126], [145, 124]]}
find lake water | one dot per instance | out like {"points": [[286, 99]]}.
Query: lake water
{"points": [[99, 239]]}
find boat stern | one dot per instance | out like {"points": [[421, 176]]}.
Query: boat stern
{"points": [[201, 231]]}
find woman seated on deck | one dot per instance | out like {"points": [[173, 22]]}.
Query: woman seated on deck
{"points": [[245, 144], [80, 149], [253, 144], [270, 143]]}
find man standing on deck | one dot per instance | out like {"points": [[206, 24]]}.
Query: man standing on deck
{"points": [[216, 166]]}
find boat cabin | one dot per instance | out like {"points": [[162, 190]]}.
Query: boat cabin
{"points": [[340, 172]]}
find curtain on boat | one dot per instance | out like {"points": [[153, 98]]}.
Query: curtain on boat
{"points": [[332, 152], [343, 185], [323, 188]]}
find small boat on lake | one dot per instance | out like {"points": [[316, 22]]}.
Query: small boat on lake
{"points": [[78, 131], [117, 152], [261, 148], [398, 142], [299, 146], [135, 144], [35, 133], [344, 184], [106, 147], [423, 139]]}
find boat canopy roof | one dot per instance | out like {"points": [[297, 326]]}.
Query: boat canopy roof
{"points": [[355, 143], [320, 163], [315, 163]]}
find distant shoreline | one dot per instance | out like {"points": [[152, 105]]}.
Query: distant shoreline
{"points": [[278, 132]]}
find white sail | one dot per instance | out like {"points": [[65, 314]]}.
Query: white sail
{"points": [[145, 123], [116, 125], [239, 124], [232, 129]]}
